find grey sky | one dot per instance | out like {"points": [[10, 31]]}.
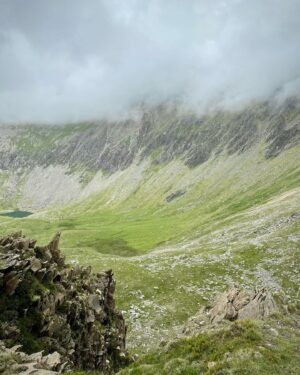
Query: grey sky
{"points": [[69, 60]]}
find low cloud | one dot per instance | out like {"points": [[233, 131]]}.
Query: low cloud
{"points": [[72, 60]]}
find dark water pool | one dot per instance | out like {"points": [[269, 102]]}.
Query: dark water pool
{"points": [[16, 214]]}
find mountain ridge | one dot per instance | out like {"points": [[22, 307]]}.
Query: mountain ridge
{"points": [[76, 153]]}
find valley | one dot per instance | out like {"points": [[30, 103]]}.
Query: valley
{"points": [[180, 206]]}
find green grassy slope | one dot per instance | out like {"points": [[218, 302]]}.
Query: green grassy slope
{"points": [[216, 192], [241, 348]]}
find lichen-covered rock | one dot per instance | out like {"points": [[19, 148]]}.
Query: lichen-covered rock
{"points": [[50, 306], [14, 361], [232, 305], [236, 304]]}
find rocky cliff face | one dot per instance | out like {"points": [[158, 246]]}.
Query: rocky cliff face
{"points": [[162, 132], [50, 306], [69, 156]]}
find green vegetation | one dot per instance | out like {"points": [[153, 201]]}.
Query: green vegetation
{"points": [[233, 225], [30, 288], [35, 141], [237, 223], [242, 348], [144, 220]]}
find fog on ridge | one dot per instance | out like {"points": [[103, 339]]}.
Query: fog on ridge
{"points": [[70, 60]]}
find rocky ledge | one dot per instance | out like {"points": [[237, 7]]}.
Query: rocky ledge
{"points": [[51, 308]]}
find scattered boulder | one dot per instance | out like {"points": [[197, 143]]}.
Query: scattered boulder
{"points": [[234, 304], [174, 195], [58, 313], [240, 304]]}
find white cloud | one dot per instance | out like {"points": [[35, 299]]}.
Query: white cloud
{"points": [[69, 60]]}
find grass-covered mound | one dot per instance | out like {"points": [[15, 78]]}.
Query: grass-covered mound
{"points": [[242, 347]]}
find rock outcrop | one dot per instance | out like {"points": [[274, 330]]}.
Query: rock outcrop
{"points": [[14, 361], [234, 304], [49, 306], [241, 304]]}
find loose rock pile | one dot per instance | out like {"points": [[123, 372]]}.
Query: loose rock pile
{"points": [[50, 306]]}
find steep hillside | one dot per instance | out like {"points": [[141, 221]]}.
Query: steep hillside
{"points": [[43, 165]]}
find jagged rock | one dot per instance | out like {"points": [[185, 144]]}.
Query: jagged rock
{"points": [[58, 309], [232, 305], [11, 282], [54, 251], [51, 360], [9, 264], [236, 304], [36, 356], [35, 264], [14, 361], [94, 303], [260, 307]]}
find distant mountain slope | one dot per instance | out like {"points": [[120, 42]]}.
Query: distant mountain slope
{"points": [[163, 132], [58, 162]]}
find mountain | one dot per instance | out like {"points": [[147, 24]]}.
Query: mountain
{"points": [[72, 155], [180, 205]]}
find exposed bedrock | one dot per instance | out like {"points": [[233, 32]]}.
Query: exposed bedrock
{"points": [[48, 305]]}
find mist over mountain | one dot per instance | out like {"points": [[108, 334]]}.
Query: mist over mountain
{"points": [[158, 144], [64, 61]]}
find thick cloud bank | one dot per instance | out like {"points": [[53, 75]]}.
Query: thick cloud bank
{"points": [[69, 60]]}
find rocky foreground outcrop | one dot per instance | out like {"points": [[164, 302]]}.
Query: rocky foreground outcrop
{"points": [[233, 304], [14, 361], [52, 307]]}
